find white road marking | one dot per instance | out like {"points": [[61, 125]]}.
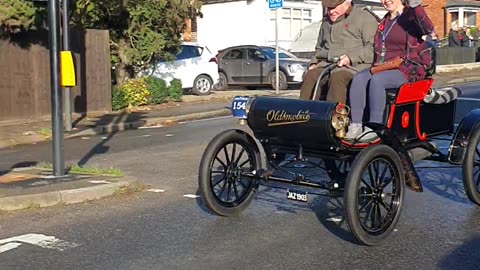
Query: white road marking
{"points": [[149, 127], [156, 190], [40, 240], [104, 138], [85, 138], [9, 246], [146, 135], [169, 135], [191, 196], [99, 182], [469, 99], [335, 219]]}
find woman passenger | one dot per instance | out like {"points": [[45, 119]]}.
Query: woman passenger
{"points": [[399, 57]]}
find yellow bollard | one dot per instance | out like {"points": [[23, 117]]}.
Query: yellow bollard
{"points": [[67, 70]]}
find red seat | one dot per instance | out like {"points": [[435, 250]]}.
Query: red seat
{"points": [[413, 91]]}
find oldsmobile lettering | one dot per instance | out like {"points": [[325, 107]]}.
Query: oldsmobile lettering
{"points": [[281, 117]]}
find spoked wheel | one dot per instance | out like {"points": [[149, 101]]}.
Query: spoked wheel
{"points": [[471, 168], [224, 185], [374, 194]]}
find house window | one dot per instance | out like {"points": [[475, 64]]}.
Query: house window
{"points": [[470, 18], [455, 17], [291, 21]]}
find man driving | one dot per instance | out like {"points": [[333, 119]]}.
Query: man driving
{"points": [[347, 33]]}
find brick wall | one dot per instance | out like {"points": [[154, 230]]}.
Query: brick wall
{"points": [[435, 10]]}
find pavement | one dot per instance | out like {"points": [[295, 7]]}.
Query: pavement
{"points": [[30, 186], [34, 187]]}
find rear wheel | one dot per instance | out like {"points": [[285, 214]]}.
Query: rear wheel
{"points": [[202, 85], [222, 82], [471, 168], [374, 194], [224, 185]]}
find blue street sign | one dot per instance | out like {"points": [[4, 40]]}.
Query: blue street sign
{"points": [[274, 4]]}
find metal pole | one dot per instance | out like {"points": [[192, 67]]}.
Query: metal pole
{"points": [[56, 94], [277, 75], [66, 47]]}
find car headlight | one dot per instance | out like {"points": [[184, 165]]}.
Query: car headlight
{"points": [[293, 68]]}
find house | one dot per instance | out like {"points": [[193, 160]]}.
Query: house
{"points": [[234, 22], [238, 22], [444, 12]]}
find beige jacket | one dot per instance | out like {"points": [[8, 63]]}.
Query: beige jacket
{"points": [[352, 35]]}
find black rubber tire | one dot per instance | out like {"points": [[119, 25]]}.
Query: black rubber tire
{"points": [[222, 84], [283, 84], [206, 89], [207, 192], [362, 162], [472, 156]]}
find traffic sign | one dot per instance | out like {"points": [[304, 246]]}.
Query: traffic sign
{"points": [[274, 4]]}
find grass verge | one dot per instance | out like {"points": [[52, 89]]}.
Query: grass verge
{"points": [[75, 169]]}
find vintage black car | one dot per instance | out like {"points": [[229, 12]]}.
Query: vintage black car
{"points": [[371, 176]]}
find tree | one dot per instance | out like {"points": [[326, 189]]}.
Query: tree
{"points": [[16, 16], [140, 30]]}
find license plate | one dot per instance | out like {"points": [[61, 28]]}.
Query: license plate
{"points": [[297, 195]]}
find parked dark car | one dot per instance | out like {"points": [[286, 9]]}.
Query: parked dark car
{"points": [[252, 65]]}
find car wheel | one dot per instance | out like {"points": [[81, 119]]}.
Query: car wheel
{"points": [[202, 85], [222, 82], [282, 84]]}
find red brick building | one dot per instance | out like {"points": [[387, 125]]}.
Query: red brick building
{"points": [[444, 12]]}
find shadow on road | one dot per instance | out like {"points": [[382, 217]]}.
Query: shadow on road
{"points": [[22, 164], [464, 257], [445, 182], [110, 120]]}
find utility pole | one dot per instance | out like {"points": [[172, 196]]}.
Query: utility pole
{"points": [[56, 94]]}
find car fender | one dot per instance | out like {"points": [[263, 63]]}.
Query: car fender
{"points": [[280, 68], [458, 146]]}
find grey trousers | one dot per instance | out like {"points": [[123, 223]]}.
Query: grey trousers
{"points": [[377, 96]]}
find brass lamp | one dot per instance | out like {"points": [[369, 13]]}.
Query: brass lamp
{"points": [[340, 120]]}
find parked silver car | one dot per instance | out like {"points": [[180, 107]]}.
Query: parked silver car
{"points": [[251, 65]]}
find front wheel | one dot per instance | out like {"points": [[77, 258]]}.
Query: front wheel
{"points": [[224, 184], [282, 82], [374, 194], [471, 168]]}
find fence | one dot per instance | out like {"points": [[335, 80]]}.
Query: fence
{"points": [[25, 74]]}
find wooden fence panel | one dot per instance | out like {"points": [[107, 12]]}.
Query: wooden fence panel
{"points": [[25, 74]]}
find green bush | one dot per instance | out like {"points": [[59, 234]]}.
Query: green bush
{"points": [[158, 90], [175, 90], [146, 90], [118, 99], [136, 92]]}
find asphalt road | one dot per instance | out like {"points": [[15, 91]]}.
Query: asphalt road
{"points": [[438, 229]]}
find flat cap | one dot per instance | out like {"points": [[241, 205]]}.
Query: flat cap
{"points": [[332, 3]]}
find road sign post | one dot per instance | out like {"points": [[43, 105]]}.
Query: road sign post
{"points": [[56, 94], [276, 5]]}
